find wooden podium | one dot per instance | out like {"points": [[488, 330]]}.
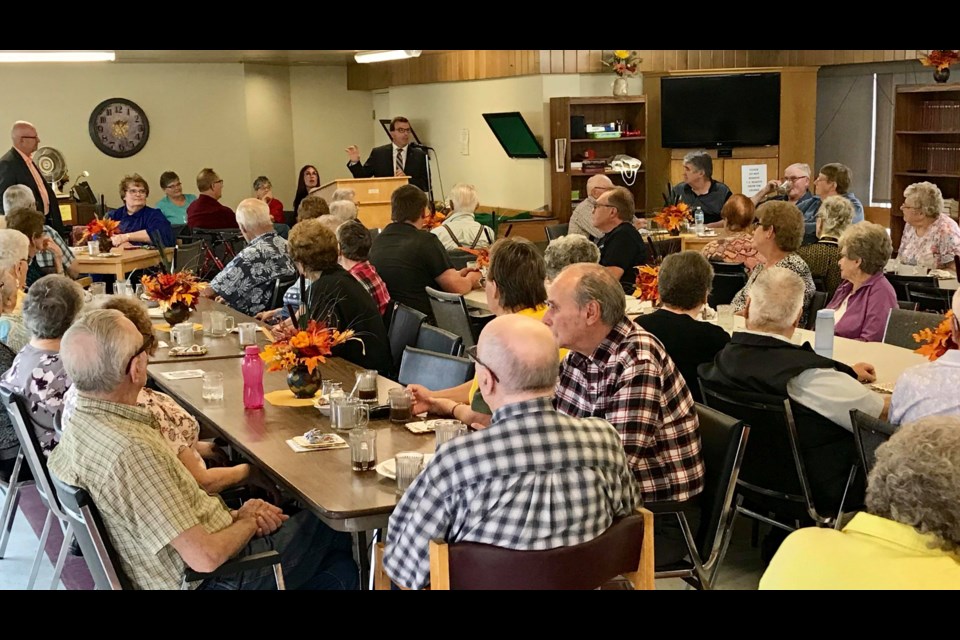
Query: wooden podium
{"points": [[373, 197]]}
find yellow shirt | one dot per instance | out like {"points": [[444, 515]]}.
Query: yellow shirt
{"points": [[870, 553]]}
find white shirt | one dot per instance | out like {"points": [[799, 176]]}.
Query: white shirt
{"points": [[465, 227], [928, 389], [403, 156]]}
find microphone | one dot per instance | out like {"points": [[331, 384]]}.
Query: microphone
{"points": [[417, 145]]}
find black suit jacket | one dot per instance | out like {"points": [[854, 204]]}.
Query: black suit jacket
{"points": [[381, 161], [13, 170]]}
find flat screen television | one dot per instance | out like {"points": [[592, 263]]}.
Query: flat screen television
{"points": [[740, 110], [514, 135]]}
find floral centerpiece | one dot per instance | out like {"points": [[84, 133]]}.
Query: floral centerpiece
{"points": [[937, 341], [176, 293], [647, 286], [100, 229], [941, 59], [300, 354], [625, 64], [672, 216], [483, 256]]}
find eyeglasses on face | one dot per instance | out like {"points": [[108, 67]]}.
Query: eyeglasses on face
{"points": [[795, 178], [144, 348], [472, 353], [403, 130], [137, 192], [175, 185]]}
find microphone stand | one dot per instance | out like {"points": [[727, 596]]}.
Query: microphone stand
{"points": [[433, 202]]}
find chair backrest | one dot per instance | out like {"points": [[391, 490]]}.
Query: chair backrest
{"points": [[907, 306], [19, 412], [404, 329], [817, 302], [819, 283], [87, 525], [927, 298], [625, 548], [662, 246], [374, 233], [434, 371], [157, 241], [869, 433], [901, 325], [437, 340], [450, 313], [726, 285], [728, 267], [900, 283], [556, 231], [460, 258], [280, 286], [187, 256]]}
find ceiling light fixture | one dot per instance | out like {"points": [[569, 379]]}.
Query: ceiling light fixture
{"points": [[383, 56], [57, 56]]}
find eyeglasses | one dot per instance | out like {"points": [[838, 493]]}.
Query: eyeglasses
{"points": [[145, 347], [29, 137], [472, 353], [909, 206], [218, 182], [399, 130], [795, 178], [175, 185], [137, 192]]}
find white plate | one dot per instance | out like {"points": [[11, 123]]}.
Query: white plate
{"points": [[388, 468]]}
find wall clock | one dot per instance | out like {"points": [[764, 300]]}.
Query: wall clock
{"points": [[119, 127]]}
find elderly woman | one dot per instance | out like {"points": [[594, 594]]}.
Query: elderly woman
{"points": [[342, 211], [355, 243], [30, 224], [308, 179], [909, 536], [263, 190], [14, 257], [173, 205], [312, 207], [777, 237], [344, 194], [834, 217], [684, 283], [864, 300], [515, 284], [736, 246], [137, 220], [699, 189], [37, 372], [930, 238], [567, 250], [460, 229], [48, 257], [834, 180]]}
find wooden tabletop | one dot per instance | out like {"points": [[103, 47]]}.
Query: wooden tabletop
{"points": [[120, 261], [323, 480], [477, 299], [217, 348]]}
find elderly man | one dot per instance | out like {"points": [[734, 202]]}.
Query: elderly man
{"points": [[581, 221], [158, 518], [409, 259], [206, 212], [796, 180], [534, 479], [621, 247], [930, 389], [18, 167], [19, 196], [834, 180], [908, 537], [397, 159], [246, 283], [699, 189], [461, 229]]}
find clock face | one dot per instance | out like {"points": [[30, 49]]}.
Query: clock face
{"points": [[119, 127]]}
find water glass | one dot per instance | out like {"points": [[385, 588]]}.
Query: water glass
{"points": [[122, 289], [213, 386], [348, 413], [408, 464], [329, 387], [93, 248], [98, 288], [447, 430], [140, 291], [363, 449], [401, 405], [248, 333], [725, 317], [367, 385], [220, 324], [182, 334]]}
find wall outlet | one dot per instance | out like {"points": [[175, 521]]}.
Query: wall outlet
{"points": [[464, 142]]}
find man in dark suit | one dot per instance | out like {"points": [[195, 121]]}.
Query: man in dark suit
{"points": [[17, 167], [397, 159]]}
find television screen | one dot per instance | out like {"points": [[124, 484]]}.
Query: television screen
{"points": [[514, 135], [720, 111]]}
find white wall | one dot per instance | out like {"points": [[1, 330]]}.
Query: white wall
{"points": [[270, 128]]}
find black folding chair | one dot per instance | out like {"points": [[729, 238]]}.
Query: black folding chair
{"points": [[900, 283], [556, 231], [437, 340], [450, 313], [901, 325], [869, 433], [433, 370]]}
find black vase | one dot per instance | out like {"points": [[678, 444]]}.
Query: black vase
{"points": [[941, 75], [302, 383], [105, 243], [176, 313]]}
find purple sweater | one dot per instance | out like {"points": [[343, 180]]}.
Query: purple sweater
{"points": [[868, 308]]}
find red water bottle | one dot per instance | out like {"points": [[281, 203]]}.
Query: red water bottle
{"points": [[252, 368]]}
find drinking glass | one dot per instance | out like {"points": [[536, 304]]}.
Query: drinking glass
{"points": [[447, 430], [363, 449], [401, 405], [408, 464], [220, 324], [348, 413], [93, 248], [213, 386], [98, 288], [367, 385], [248, 333], [725, 317]]}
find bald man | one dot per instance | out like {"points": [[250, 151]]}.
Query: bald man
{"points": [[534, 479], [18, 167], [581, 221]]}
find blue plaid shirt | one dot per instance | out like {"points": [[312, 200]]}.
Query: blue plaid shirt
{"points": [[534, 479], [45, 258]]}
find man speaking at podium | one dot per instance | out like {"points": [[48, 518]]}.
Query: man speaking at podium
{"points": [[397, 159]]}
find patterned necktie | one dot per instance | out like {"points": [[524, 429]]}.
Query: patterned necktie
{"points": [[399, 170]]}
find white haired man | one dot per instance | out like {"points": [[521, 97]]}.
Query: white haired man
{"points": [[581, 220], [461, 229], [797, 181], [17, 167]]}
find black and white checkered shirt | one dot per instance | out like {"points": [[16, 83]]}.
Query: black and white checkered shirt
{"points": [[534, 479]]}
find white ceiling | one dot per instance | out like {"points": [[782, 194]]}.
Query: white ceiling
{"points": [[302, 56]]}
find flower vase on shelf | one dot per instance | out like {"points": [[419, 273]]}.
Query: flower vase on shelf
{"points": [[620, 88], [302, 382], [176, 313], [941, 75], [105, 243]]}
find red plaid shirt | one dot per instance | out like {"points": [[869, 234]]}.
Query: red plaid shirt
{"points": [[632, 383], [373, 283]]}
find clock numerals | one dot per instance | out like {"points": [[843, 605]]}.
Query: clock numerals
{"points": [[103, 120], [119, 128]]}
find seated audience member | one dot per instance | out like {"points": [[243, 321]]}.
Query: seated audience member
{"points": [[461, 229], [9, 443], [19, 196], [206, 212], [534, 479], [581, 220], [30, 223], [10, 325], [796, 180], [736, 245], [908, 538], [14, 258], [175, 202], [246, 283], [308, 180], [137, 220], [409, 259], [514, 285], [823, 256], [570, 249], [159, 519], [685, 282], [865, 297], [312, 207], [699, 189], [263, 190], [344, 194], [776, 236], [340, 211], [930, 237], [37, 372], [834, 180], [621, 247], [930, 389], [355, 243]]}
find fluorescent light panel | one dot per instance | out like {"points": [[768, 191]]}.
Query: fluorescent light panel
{"points": [[57, 56], [383, 56]]}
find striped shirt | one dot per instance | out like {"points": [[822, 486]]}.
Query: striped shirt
{"points": [[631, 382]]}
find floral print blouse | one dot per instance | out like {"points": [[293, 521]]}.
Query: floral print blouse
{"points": [[941, 242], [38, 375], [735, 249]]}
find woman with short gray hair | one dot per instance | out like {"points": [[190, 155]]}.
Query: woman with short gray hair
{"points": [[833, 218], [567, 250], [930, 238], [14, 257], [684, 283], [37, 374]]}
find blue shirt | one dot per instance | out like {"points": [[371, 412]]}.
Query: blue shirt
{"points": [[246, 284], [927, 390], [173, 213], [147, 219]]}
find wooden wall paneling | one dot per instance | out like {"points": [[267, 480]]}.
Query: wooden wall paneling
{"points": [[556, 61], [595, 61], [798, 113], [583, 61]]}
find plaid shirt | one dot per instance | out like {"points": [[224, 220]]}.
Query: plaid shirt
{"points": [[373, 283], [45, 258], [632, 383], [145, 495], [534, 479]]}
